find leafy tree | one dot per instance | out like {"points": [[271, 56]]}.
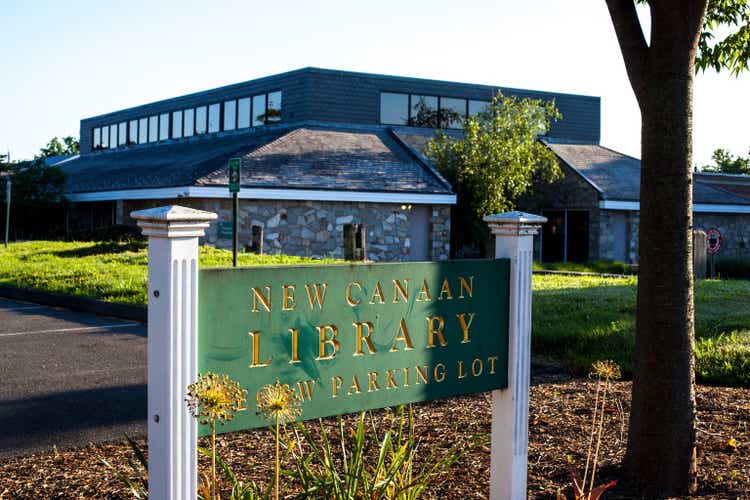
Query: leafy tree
{"points": [[54, 147], [726, 163], [661, 454], [493, 164]]}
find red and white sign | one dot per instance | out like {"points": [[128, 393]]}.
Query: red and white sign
{"points": [[713, 241]]}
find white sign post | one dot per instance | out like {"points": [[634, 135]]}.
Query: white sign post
{"points": [[514, 238], [173, 233]]}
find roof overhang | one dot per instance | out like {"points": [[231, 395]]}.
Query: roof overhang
{"points": [[266, 194], [713, 208]]}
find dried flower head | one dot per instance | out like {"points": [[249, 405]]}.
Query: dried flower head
{"points": [[607, 370], [215, 398], [278, 402]]}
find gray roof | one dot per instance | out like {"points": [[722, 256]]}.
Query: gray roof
{"points": [[617, 176], [305, 156]]}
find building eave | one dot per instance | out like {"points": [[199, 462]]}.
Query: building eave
{"points": [[713, 208]]}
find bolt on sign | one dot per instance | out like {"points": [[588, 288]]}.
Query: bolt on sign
{"points": [[356, 337]]}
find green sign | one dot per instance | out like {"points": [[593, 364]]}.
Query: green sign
{"points": [[234, 175], [225, 230], [355, 337]]}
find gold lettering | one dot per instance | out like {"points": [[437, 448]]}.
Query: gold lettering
{"points": [[336, 382], [360, 325], [424, 292], [373, 381], [465, 326], [255, 336], [391, 383], [421, 374], [476, 371], [287, 304], [403, 336], [319, 297], [349, 299], [439, 372], [295, 345], [406, 376], [402, 290], [492, 360], [432, 331], [469, 287], [378, 293], [445, 290], [265, 300], [355, 385], [326, 341], [305, 390], [461, 373]]}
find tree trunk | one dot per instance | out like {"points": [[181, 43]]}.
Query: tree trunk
{"points": [[661, 458]]}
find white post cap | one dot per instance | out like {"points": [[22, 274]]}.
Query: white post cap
{"points": [[514, 223], [173, 221]]}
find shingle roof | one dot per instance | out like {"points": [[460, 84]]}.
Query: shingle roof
{"points": [[292, 157], [617, 176]]}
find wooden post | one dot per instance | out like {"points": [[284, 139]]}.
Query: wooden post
{"points": [[514, 237], [173, 234]]}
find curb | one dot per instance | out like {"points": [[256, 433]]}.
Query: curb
{"points": [[83, 304]]}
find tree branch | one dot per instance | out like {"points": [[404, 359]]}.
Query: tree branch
{"points": [[632, 42]]}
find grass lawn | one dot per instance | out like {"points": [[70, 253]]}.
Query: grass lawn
{"points": [[580, 319], [108, 271], [577, 319]]}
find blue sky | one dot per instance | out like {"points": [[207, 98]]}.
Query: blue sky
{"points": [[63, 61]]}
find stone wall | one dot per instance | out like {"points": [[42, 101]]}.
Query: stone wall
{"points": [[606, 234], [734, 229], [316, 229]]}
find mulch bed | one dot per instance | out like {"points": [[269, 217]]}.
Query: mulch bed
{"points": [[560, 416]]}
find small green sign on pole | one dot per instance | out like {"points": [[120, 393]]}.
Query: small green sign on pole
{"points": [[234, 188]]}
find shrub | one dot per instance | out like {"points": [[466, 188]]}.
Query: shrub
{"points": [[733, 267]]}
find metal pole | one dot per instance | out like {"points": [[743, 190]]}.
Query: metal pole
{"points": [[234, 228], [7, 209]]}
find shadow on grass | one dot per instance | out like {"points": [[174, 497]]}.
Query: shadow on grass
{"points": [[105, 247]]}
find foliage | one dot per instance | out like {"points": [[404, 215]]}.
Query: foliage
{"points": [[733, 267], [580, 319], [393, 475], [111, 271], [733, 51], [724, 360], [726, 163], [138, 486], [591, 266], [54, 147], [495, 162]]}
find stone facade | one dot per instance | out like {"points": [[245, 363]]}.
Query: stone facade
{"points": [[316, 228], [734, 229], [606, 235]]}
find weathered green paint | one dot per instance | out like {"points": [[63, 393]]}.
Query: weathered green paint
{"points": [[225, 229], [234, 175], [226, 316]]}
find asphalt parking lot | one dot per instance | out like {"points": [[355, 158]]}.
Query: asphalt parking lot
{"points": [[68, 378]]}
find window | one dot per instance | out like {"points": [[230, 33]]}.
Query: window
{"points": [[176, 124], [394, 108], [424, 111], [214, 112], [476, 107], [97, 138], [452, 112], [259, 110], [354, 242], [189, 125], [113, 136], [122, 133], [230, 115], [104, 144], [200, 119], [243, 113], [142, 130], [133, 132], [273, 114], [164, 126], [153, 128]]}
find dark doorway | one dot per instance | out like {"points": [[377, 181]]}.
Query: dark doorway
{"points": [[553, 236], [578, 236]]}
